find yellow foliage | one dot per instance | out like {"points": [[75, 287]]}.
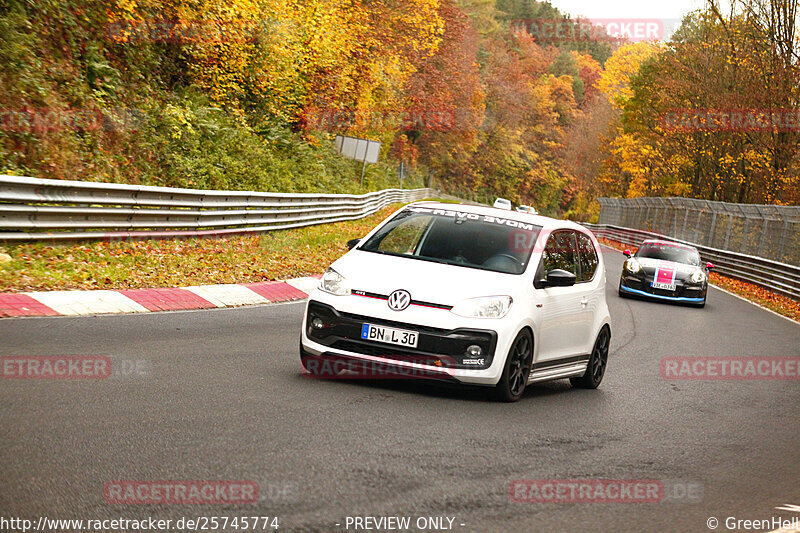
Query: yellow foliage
{"points": [[614, 82], [293, 54]]}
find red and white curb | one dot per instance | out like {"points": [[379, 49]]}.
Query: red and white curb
{"points": [[74, 303]]}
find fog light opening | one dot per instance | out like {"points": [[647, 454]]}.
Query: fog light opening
{"points": [[317, 323], [474, 351]]}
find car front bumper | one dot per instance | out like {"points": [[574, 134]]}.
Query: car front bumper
{"points": [[441, 348], [683, 293]]}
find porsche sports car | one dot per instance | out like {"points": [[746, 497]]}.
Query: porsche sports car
{"points": [[665, 270], [469, 294]]}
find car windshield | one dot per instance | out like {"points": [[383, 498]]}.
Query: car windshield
{"points": [[669, 252], [464, 239]]}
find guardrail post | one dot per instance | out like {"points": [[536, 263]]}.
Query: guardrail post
{"points": [[783, 239], [659, 218], [685, 222], [675, 223], [744, 234], [697, 225], [710, 240], [728, 232], [763, 236]]}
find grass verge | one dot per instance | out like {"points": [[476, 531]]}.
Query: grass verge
{"points": [[775, 302], [179, 262]]}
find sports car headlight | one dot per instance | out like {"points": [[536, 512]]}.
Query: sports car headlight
{"points": [[698, 276], [632, 266], [488, 307], [333, 283]]}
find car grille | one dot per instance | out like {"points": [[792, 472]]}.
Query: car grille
{"points": [[435, 346]]}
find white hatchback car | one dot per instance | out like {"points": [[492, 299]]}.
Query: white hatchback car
{"points": [[466, 294]]}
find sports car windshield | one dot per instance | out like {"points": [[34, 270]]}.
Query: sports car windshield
{"points": [[669, 252], [454, 238]]}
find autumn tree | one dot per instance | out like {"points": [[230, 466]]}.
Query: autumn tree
{"points": [[444, 99]]}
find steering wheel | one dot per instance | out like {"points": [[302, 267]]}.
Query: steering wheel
{"points": [[503, 260], [508, 256]]}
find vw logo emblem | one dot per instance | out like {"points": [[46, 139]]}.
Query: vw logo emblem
{"points": [[399, 300]]}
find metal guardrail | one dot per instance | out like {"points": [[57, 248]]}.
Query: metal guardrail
{"points": [[778, 277], [33, 209], [768, 231]]}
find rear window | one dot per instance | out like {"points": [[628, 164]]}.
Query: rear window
{"points": [[450, 237]]}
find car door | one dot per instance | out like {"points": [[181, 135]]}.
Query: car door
{"points": [[564, 325], [592, 280]]}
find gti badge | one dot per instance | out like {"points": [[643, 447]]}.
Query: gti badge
{"points": [[399, 300]]}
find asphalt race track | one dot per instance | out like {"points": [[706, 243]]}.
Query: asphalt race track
{"points": [[219, 395]]}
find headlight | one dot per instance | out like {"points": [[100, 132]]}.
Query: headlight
{"points": [[488, 307], [333, 283], [698, 276], [632, 266]]}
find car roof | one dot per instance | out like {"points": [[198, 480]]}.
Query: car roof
{"points": [[539, 220]]}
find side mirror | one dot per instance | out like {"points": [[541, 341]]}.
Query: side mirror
{"points": [[560, 278], [627, 253], [352, 243], [709, 266]]}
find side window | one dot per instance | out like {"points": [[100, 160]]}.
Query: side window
{"points": [[561, 253], [588, 257]]}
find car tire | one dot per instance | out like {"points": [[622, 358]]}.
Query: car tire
{"points": [[517, 368], [598, 361]]}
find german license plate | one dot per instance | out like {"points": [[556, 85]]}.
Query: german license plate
{"points": [[400, 337], [663, 286]]}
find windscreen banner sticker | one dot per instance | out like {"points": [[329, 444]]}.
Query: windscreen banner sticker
{"points": [[489, 219]]}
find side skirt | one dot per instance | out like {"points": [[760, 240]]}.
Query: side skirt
{"points": [[559, 369]]}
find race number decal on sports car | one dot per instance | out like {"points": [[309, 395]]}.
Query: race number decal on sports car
{"points": [[664, 278]]}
